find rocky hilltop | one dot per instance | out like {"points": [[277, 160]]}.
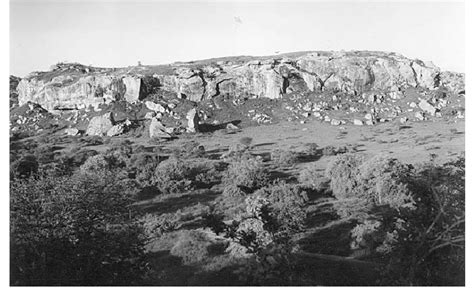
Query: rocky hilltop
{"points": [[306, 84]]}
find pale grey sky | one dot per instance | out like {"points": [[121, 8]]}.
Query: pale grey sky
{"points": [[111, 33]]}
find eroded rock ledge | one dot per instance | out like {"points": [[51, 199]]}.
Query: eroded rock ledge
{"points": [[75, 86]]}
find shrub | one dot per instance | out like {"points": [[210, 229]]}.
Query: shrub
{"points": [[173, 175], [95, 163], [25, 167], [313, 149], [74, 230], [231, 203], [430, 248], [155, 225], [284, 158], [192, 247], [191, 150], [360, 185], [142, 167], [285, 207], [247, 172], [312, 178], [343, 171]]}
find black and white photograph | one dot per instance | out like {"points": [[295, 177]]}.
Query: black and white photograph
{"points": [[235, 143]]}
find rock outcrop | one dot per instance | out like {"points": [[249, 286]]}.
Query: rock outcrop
{"points": [[68, 92], [271, 77]]}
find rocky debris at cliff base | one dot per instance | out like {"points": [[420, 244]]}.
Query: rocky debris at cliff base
{"points": [[71, 131], [223, 93], [100, 125], [158, 130], [192, 121]]}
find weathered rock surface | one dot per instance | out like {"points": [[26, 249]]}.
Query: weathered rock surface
{"points": [[66, 92], [100, 125], [427, 107], [193, 121], [158, 130], [71, 131], [271, 77]]}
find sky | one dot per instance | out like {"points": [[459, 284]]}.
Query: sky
{"points": [[121, 33]]}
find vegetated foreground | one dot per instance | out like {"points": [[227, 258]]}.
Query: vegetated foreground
{"points": [[230, 199]]}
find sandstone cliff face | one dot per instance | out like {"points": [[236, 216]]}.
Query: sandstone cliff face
{"points": [[352, 72], [66, 92]]}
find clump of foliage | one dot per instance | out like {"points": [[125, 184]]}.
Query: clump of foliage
{"points": [[232, 201], [173, 175], [312, 178], [262, 232], [190, 150], [248, 172], [74, 230], [284, 158], [430, 249], [176, 175], [24, 167], [192, 247], [332, 150], [156, 225], [142, 167], [412, 217]]}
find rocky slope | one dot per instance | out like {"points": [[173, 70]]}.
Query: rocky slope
{"points": [[308, 84]]}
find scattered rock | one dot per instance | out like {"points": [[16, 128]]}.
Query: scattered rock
{"points": [[419, 115], [403, 119], [157, 129], [155, 107], [116, 130], [358, 122], [72, 131], [335, 122], [232, 126], [100, 125], [193, 121], [427, 107]]}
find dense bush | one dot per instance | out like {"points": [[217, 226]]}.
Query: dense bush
{"points": [[248, 172], [232, 202], [192, 247], [413, 217], [24, 167], [280, 206], [76, 230], [284, 158], [155, 225], [142, 167], [311, 177], [177, 175], [429, 249]]}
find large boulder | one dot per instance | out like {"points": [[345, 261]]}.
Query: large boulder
{"points": [[193, 121], [100, 125], [157, 129], [133, 87]]}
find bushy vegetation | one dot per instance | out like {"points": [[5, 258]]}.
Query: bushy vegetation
{"points": [[248, 172], [284, 158], [76, 230], [192, 247], [414, 217]]}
